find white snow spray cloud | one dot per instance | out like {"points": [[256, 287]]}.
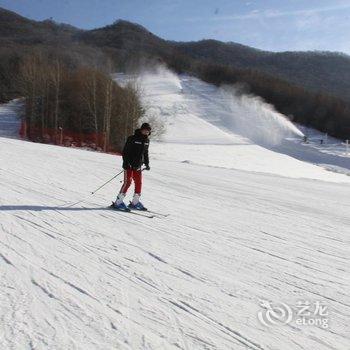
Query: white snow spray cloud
{"points": [[166, 96], [151, 76], [255, 119], [155, 83], [241, 113], [165, 79], [159, 90]]}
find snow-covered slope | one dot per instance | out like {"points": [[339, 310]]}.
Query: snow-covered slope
{"points": [[213, 126], [247, 226], [9, 118], [85, 277]]}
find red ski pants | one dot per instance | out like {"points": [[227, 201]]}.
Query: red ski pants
{"points": [[130, 175]]}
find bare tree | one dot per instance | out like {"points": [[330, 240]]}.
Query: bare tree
{"points": [[107, 113], [55, 76], [81, 100], [89, 96], [29, 85]]}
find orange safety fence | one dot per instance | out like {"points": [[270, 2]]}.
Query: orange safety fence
{"points": [[65, 137]]}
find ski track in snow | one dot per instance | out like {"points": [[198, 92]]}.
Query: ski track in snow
{"points": [[247, 224]]}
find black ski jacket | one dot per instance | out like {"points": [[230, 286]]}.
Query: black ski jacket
{"points": [[135, 152]]}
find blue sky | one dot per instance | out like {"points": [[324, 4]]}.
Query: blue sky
{"points": [[276, 25]]}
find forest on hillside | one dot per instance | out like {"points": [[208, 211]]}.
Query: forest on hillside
{"points": [[68, 100], [321, 111]]}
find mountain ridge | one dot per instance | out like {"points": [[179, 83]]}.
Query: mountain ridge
{"points": [[317, 71]]}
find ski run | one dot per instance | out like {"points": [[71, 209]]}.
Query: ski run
{"points": [[256, 219]]}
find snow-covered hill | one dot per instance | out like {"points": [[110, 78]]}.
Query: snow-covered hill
{"points": [[9, 118], [247, 226], [214, 127]]}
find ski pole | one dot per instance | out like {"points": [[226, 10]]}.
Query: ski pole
{"points": [[93, 192], [69, 205]]}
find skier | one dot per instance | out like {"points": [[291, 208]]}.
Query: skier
{"points": [[135, 153]]}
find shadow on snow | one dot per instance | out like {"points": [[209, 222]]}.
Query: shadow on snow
{"points": [[45, 208]]}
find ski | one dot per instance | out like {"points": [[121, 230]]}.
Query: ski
{"points": [[140, 214], [157, 213], [144, 214]]}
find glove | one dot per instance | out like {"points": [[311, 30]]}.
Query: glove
{"points": [[147, 167], [126, 166]]}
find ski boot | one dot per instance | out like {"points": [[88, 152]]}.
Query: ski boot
{"points": [[136, 204], [121, 206], [119, 203]]}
